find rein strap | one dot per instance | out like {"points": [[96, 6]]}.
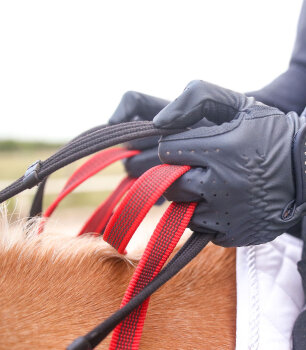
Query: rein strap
{"points": [[162, 243]]}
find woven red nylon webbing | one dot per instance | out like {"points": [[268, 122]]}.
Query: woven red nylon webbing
{"points": [[127, 335], [98, 220], [96, 163], [135, 205]]}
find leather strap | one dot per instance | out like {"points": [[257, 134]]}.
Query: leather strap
{"points": [[90, 142]]}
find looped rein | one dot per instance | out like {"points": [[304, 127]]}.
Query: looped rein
{"points": [[123, 224], [120, 229]]}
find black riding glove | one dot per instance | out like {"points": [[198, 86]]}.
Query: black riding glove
{"points": [[137, 106], [248, 170]]}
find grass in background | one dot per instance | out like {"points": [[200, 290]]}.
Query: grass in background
{"points": [[13, 145], [15, 157]]}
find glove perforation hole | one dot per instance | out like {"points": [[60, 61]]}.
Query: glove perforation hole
{"points": [[201, 182], [226, 195], [204, 222], [217, 223], [228, 224], [202, 194], [215, 194]]}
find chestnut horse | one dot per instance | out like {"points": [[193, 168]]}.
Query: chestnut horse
{"points": [[54, 288]]}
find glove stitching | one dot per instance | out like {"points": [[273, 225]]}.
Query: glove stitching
{"points": [[263, 116]]}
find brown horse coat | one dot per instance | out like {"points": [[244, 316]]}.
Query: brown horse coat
{"points": [[55, 288]]}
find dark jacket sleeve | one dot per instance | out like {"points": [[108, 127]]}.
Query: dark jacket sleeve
{"points": [[288, 91]]}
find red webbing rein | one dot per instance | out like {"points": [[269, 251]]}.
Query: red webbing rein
{"points": [[120, 227]]}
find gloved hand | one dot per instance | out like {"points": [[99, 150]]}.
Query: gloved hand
{"points": [[137, 106], [249, 173]]}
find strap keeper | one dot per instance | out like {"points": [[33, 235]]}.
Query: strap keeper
{"points": [[30, 178]]}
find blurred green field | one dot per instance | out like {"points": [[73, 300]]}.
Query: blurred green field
{"points": [[13, 164], [16, 157]]}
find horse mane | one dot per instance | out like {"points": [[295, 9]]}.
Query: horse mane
{"points": [[54, 288]]}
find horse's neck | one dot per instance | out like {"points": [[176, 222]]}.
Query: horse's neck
{"points": [[49, 296]]}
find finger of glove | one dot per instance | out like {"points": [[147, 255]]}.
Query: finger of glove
{"points": [[144, 143], [201, 99], [135, 104], [196, 186], [152, 141], [142, 162], [190, 187]]}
